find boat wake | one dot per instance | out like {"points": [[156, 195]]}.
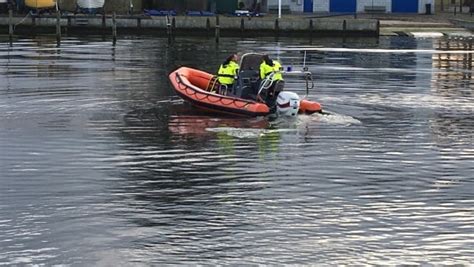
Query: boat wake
{"points": [[247, 132], [336, 119], [287, 125]]}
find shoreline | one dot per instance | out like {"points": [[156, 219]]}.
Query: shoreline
{"points": [[189, 25], [348, 25]]}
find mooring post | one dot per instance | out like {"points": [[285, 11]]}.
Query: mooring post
{"points": [[217, 29], [471, 8], [378, 28], [58, 28], [114, 28], [10, 24], [104, 24], [208, 27], [277, 27], [168, 26], [173, 25]]}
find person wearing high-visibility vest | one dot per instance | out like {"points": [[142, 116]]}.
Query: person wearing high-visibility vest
{"points": [[267, 67], [228, 71]]}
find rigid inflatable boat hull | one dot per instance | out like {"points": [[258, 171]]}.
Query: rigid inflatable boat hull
{"points": [[191, 85]]}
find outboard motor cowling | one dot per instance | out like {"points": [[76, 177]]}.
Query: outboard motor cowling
{"points": [[287, 104]]}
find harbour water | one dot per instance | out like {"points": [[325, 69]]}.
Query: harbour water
{"points": [[102, 164]]}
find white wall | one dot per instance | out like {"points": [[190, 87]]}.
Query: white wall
{"points": [[361, 4], [295, 5], [321, 5]]}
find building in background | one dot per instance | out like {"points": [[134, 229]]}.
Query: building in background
{"points": [[288, 6], [356, 6]]}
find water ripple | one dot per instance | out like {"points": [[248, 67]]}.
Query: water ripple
{"points": [[102, 164]]}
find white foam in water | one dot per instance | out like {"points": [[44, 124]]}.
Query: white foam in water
{"points": [[337, 119], [246, 132], [287, 125]]}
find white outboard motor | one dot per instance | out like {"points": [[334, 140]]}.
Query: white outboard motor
{"points": [[288, 104]]}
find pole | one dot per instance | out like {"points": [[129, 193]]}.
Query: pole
{"points": [[58, 27], [217, 29], [10, 24], [114, 28], [279, 9], [471, 9]]}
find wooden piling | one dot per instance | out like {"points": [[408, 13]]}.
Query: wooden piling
{"points": [[10, 24], [208, 27], [217, 29], [168, 26], [378, 28], [104, 24], [58, 28], [277, 27], [114, 28]]}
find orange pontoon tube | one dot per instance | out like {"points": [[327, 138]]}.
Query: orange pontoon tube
{"points": [[192, 85]]}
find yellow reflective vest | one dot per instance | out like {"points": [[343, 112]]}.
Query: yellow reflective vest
{"points": [[267, 69], [227, 73]]}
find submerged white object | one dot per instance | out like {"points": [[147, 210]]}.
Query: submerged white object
{"points": [[90, 3], [288, 104]]}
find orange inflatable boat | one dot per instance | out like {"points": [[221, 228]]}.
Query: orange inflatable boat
{"points": [[192, 84], [201, 89]]}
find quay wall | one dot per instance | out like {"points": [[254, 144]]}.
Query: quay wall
{"points": [[264, 26]]}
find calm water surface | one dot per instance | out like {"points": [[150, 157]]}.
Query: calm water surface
{"points": [[101, 163]]}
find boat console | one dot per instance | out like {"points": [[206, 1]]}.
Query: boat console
{"points": [[248, 81]]}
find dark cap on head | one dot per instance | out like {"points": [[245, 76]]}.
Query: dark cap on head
{"points": [[230, 58], [267, 60]]}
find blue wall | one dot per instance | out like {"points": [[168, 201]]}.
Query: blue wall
{"points": [[405, 6], [343, 6]]}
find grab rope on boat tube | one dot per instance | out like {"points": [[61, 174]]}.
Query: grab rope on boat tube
{"points": [[220, 98]]}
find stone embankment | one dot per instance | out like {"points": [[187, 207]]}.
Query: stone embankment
{"points": [[288, 25], [223, 25]]}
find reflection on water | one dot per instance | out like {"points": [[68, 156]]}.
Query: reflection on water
{"points": [[102, 164]]}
